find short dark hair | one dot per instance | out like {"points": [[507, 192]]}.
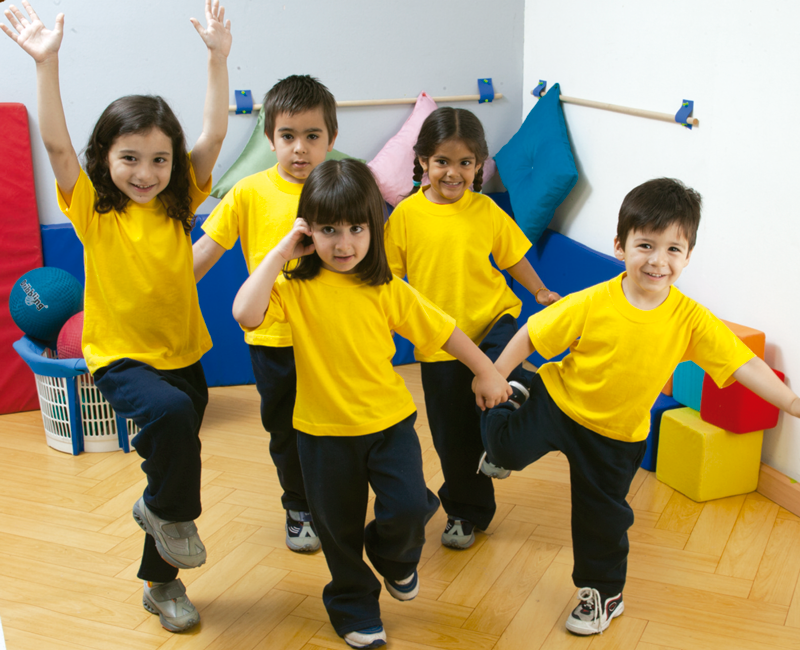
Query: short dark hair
{"points": [[139, 114], [345, 191], [445, 124], [296, 94], [656, 205]]}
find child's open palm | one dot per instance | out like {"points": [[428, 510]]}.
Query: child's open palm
{"points": [[217, 33], [31, 34]]}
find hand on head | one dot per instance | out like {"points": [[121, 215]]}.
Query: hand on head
{"points": [[31, 34], [217, 33], [294, 245]]}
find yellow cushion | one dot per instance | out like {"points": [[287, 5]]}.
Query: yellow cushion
{"points": [[703, 461]]}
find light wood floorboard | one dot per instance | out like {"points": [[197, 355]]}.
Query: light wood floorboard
{"points": [[722, 574]]}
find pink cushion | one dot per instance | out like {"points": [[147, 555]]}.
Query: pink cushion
{"points": [[393, 165]]}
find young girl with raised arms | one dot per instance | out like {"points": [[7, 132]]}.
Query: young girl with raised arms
{"points": [[442, 238], [143, 332], [354, 415]]}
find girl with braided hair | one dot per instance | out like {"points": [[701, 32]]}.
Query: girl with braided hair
{"points": [[442, 237]]}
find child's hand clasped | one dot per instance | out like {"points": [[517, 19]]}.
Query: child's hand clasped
{"points": [[490, 389], [547, 298]]}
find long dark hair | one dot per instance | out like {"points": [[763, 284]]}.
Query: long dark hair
{"points": [[445, 124], [139, 114], [344, 191]]}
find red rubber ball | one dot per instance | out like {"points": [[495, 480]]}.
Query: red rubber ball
{"points": [[68, 345]]}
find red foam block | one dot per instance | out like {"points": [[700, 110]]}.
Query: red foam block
{"points": [[736, 408]]}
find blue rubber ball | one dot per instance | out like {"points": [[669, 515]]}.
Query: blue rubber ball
{"points": [[43, 299]]}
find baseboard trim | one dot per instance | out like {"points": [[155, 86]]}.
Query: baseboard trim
{"points": [[779, 488]]}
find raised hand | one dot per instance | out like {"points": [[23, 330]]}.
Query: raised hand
{"points": [[217, 33], [31, 34]]}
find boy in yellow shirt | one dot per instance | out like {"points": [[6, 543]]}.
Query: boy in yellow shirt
{"points": [[300, 122], [625, 336]]}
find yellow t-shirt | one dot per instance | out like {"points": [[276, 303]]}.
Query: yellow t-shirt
{"points": [[346, 385], [444, 250], [140, 300], [261, 209], [621, 357]]}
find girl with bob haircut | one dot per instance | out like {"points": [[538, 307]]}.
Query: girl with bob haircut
{"points": [[143, 333], [354, 415], [443, 237]]}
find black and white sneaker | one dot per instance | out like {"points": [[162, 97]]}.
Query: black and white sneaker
{"points": [[458, 534], [595, 612], [301, 536]]}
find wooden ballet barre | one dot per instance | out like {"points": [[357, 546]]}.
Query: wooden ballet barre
{"points": [[653, 115], [388, 102]]}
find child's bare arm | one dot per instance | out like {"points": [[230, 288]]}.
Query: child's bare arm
{"points": [[250, 304], [205, 252], [489, 387], [217, 37], [759, 378], [518, 349], [525, 274], [42, 45]]}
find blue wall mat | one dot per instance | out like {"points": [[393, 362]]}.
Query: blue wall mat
{"points": [[63, 249], [663, 403], [687, 384]]}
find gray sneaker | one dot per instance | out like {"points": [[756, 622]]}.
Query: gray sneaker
{"points": [[458, 534], [177, 541], [170, 602], [491, 470], [301, 536]]}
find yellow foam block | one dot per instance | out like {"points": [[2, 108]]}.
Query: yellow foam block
{"points": [[703, 461]]}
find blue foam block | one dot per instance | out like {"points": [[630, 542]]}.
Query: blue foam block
{"points": [[687, 384], [663, 403]]}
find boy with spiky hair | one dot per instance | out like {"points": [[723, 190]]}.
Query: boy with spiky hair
{"points": [[625, 336], [300, 123]]}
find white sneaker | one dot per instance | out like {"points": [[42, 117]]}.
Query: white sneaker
{"points": [[594, 614], [372, 637]]}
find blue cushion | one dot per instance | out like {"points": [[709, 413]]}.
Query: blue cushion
{"points": [[663, 403], [687, 384], [537, 166]]}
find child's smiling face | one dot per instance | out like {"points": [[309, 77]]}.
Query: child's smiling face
{"points": [[451, 170], [140, 164], [653, 262]]}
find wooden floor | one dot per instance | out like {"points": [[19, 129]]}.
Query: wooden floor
{"points": [[718, 575]]}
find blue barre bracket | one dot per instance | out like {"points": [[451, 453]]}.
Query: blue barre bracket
{"points": [[244, 102], [539, 90], [687, 106], [486, 90]]}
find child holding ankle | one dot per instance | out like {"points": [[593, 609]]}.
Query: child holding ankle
{"points": [[625, 336]]}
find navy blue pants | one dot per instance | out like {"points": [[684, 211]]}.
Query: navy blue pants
{"points": [[343, 467], [168, 407], [601, 471], [455, 425], [276, 381]]}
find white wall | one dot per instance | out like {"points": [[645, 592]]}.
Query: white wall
{"points": [[361, 49], [737, 61]]}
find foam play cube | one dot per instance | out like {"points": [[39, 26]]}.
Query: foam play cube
{"points": [[736, 408], [687, 384], [703, 461], [752, 338], [663, 403]]}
